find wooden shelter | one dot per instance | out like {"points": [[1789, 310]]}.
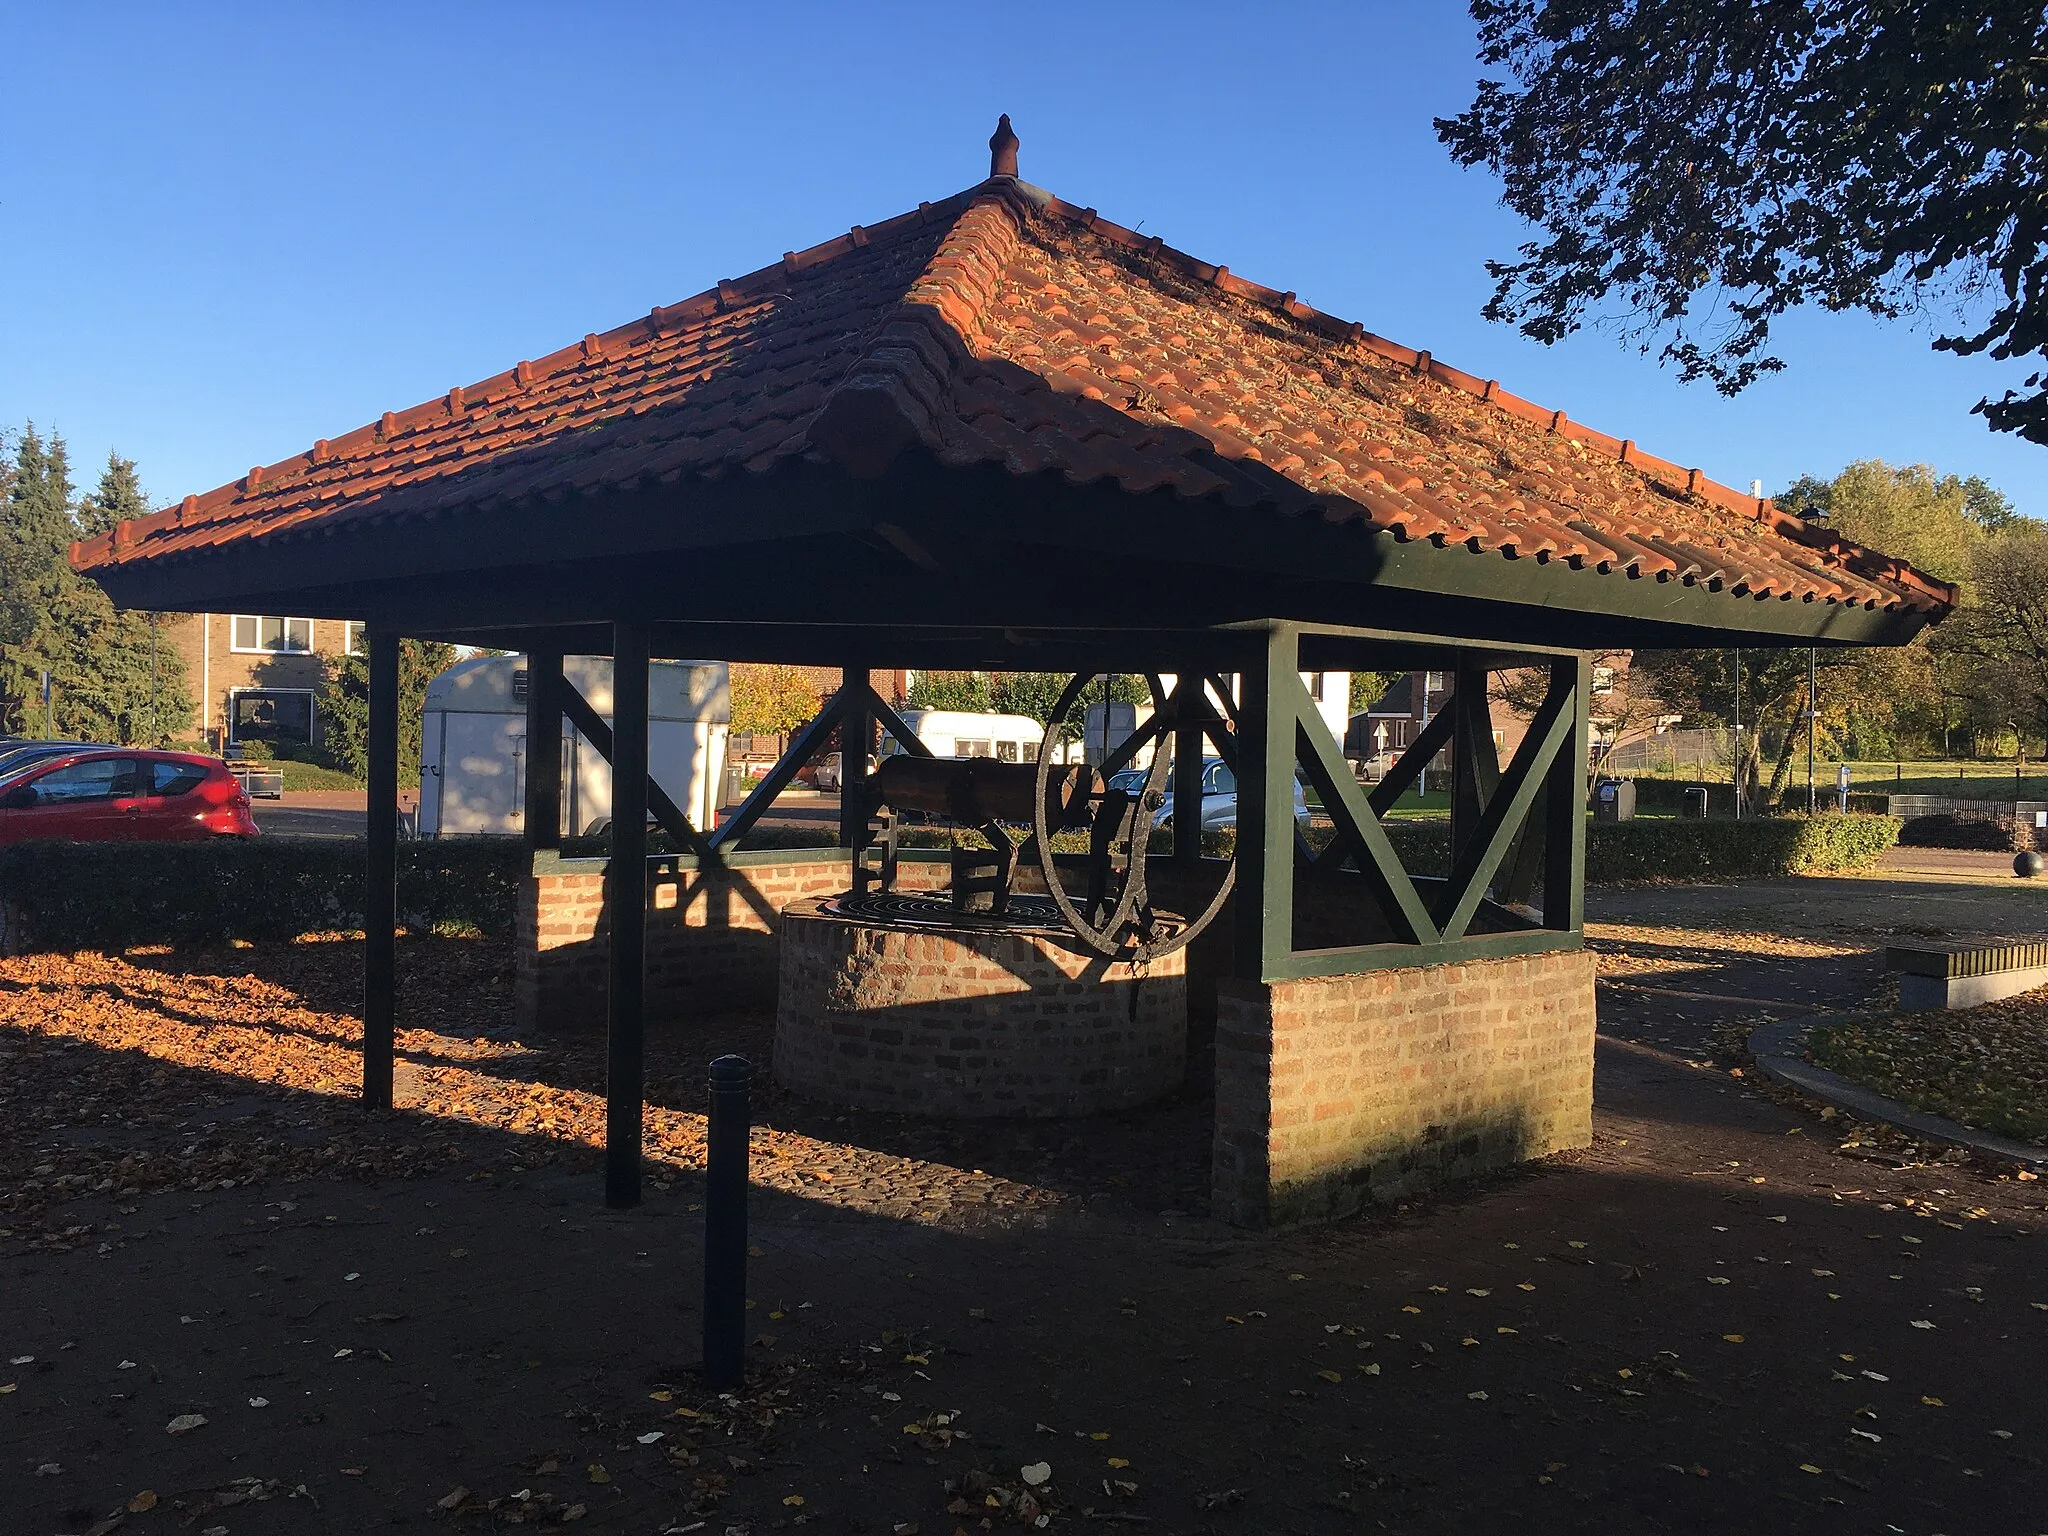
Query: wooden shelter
{"points": [[1000, 431]]}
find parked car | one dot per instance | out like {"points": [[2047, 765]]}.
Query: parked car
{"points": [[122, 794], [1219, 796], [16, 754]]}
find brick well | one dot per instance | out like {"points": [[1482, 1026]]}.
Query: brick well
{"points": [[712, 935], [971, 1023], [1340, 1091]]}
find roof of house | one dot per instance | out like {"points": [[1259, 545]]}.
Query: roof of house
{"points": [[1005, 327]]}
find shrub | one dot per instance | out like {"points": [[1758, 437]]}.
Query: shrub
{"points": [[113, 895]]}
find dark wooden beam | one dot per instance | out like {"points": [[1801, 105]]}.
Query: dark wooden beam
{"points": [[626, 903], [651, 796], [856, 727], [804, 746], [543, 749], [380, 892]]}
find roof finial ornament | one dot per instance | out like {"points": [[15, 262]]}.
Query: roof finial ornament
{"points": [[1002, 149]]}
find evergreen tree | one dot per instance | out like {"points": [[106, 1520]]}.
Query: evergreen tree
{"points": [[345, 706], [113, 677], [118, 498]]}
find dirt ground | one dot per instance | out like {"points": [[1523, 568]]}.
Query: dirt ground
{"points": [[1729, 1313]]}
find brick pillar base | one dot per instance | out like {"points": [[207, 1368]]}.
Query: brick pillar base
{"points": [[1341, 1091]]}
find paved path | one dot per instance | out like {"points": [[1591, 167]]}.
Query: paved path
{"points": [[1720, 1318]]}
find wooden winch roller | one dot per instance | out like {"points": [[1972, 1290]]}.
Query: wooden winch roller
{"points": [[974, 791], [1112, 913]]}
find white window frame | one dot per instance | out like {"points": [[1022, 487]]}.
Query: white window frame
{"points": [[312, 708], [234, 645], [353, 633]]}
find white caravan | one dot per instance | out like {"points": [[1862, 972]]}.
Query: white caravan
{"points": [[473, 745], [959, 733]]}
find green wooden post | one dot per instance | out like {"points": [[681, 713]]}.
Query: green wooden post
{"points": [[1265, 807], [1191, 708], [1475, 764], [380, 896], [1564, 810], [626, 898], [855, 730], [543, 748]]}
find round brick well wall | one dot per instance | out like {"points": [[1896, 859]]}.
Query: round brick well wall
{"points": [[971, 1022]]}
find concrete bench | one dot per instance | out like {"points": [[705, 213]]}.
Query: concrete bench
{"points": [[1964, 975]]}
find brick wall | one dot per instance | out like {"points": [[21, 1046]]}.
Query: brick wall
{"points": [[1336, 1092], [972, 1024], [711, 935]]}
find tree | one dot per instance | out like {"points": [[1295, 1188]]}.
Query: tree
{"points": [[1368, 688], [345, 705], [112, 676], [1929, 520], [117, 498], [2002, 632], [770, 701], [1698, 168], [951, 690]]}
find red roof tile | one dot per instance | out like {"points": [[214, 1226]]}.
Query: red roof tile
{"points": [[1003, 326]]}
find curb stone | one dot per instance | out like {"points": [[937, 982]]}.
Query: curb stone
{"points": [[1780, 1051]]}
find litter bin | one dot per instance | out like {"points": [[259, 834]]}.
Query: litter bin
{"points": [[1615, 800], [1696, 802]]}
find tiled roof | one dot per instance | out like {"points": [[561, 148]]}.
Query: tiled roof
{"points": [[1003, 326]]}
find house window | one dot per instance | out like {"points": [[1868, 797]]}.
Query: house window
{"points": [[352, 632], [1315, 686], [271, 714], [255, 632], [1603, 679]]}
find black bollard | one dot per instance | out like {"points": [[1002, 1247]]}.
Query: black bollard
{"points": [[725, 1223]]}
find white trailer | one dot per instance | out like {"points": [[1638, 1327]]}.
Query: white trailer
{"points": [[473, 744], [961, 733]]}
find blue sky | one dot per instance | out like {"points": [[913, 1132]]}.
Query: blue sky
{"points": [[226, 231]]}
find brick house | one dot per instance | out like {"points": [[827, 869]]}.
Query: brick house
{"points": [[258, 676]]}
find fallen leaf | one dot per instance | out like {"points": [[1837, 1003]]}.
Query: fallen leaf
{"points": [[597, 1473], [794, 1500], [1118, 1461], [143, 1502], [452, 1499], [650, 1437], [1330, 1376], [1037, 1475], [1922, 1323], [184, 1423], [1477, 1397], [1732, 1338], [259, 1402]]}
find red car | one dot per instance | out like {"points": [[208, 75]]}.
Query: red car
{"points": [[123, 794]]}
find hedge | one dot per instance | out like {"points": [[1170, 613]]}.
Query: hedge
{"points": [[1759, 848], [114, 895]]}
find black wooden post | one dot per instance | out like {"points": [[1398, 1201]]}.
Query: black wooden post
{"points": [[626, 901], [725, 1222], [855, 728], [380, 893], [1191, 707], [543, 749], [1265, 806]]}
